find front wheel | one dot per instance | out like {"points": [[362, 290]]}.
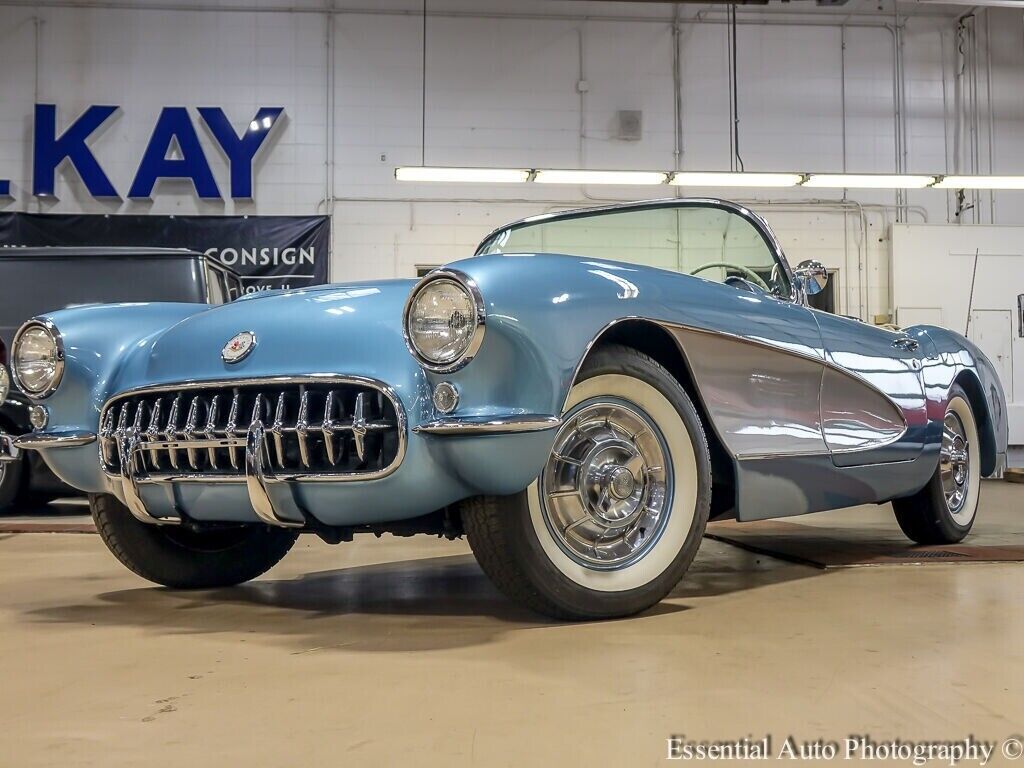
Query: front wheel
{"points": [[617, 514], [943, 512], [183, 559], [13, 482]]}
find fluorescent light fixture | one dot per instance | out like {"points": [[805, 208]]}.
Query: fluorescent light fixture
{"points": [[981, 182], [626, 178], [480, 175], [703, 179], [868, 181]]}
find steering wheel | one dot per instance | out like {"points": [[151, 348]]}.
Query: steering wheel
{"points": [[747, 272]]}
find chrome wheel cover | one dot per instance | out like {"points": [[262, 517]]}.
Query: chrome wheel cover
{"points": [[955, 463], [606, 490]]}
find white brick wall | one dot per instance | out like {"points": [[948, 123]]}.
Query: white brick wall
{"points": [[502, 91]]}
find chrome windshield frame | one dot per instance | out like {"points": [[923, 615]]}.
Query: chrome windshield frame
{"points": [[742, 211]]}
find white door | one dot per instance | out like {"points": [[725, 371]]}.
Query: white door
{"points": [[992, 331]]}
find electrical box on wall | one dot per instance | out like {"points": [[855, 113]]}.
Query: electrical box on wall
{"points": [[629, 125]]}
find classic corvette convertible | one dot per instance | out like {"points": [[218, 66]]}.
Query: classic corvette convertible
{"points": [[579, 398]]}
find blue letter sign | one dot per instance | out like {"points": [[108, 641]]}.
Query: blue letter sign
{"points": [[240, 150], [174, 124], [50, 150]]}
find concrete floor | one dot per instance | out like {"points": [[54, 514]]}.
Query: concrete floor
{"points": [[399, 651]]}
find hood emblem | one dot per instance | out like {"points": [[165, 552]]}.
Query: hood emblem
{"points": [[238, 347]]}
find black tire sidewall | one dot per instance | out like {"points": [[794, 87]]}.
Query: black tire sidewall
{"points": [[155, 553], [13, 483], [924, 517], [944, 520]]}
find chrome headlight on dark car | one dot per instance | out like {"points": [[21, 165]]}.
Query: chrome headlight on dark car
{"points": [[37, 358], [444, 321]]}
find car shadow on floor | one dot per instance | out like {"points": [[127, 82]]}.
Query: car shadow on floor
{"points": [[415, 605]]}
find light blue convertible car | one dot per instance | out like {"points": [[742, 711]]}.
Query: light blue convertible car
{"points": [[579, 398]]}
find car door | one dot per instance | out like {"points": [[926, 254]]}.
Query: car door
{"points": [[756, 352], [873, 400]]}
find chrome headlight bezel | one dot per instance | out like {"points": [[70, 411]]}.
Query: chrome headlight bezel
{"points": [[476, 339], [58, 344]]}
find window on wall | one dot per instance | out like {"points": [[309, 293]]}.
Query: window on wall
{"points": [[712, 243], [423, 269]]}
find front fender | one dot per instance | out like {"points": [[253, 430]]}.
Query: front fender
{"points": [[97, 340], [958, 360], [539, 331]]}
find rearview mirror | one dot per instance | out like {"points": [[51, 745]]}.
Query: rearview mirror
{"points": [[811, 276]]}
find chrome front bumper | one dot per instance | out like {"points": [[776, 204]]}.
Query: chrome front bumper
{"points": [[9, 450], [271, 491], [258, 477]]}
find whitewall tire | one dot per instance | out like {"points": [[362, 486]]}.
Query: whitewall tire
{"points": [[943, 512], [617, 514]]}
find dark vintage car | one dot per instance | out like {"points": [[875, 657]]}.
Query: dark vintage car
{"points": [[34, 280]]}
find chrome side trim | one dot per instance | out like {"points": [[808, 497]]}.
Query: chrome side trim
{"points": [[469, 284], [40, 441], [857, 419], [497, 425], [825, 362], [58, 341], [9, 450]]}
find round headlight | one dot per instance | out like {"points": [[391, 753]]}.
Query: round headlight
{"points": [[444, 321], [5, 382], [37, 361]]}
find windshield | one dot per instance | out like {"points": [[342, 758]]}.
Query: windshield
{"points": [[709, 242]]}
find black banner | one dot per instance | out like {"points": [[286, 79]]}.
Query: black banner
{"points": [[268, 251]]}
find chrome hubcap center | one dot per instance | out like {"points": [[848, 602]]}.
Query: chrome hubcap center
{"points": [[605, 488], [954, 462], [620, 483]]}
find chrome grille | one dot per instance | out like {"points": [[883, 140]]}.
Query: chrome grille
{"points": [[341, 428]]}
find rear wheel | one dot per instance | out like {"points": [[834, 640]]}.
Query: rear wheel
{"points": [[943, 512], [617, 514], [184, 559]]}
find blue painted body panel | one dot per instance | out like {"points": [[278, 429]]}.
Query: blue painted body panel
{"points": [[543, 313]]}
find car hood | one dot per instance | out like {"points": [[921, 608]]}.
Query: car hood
{"points": [[341, 328]]}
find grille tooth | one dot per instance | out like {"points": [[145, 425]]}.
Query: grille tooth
{"points": [[302, 426], [153, 432], [231, 428], [107, 437], [211, 428], [344, 428], [328, 428], [121, 433], [171, 430], [277, 430], [137, 421], [257, 409], [189, 431]]}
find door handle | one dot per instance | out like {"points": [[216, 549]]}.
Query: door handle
{"points": [[906, 343]]}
